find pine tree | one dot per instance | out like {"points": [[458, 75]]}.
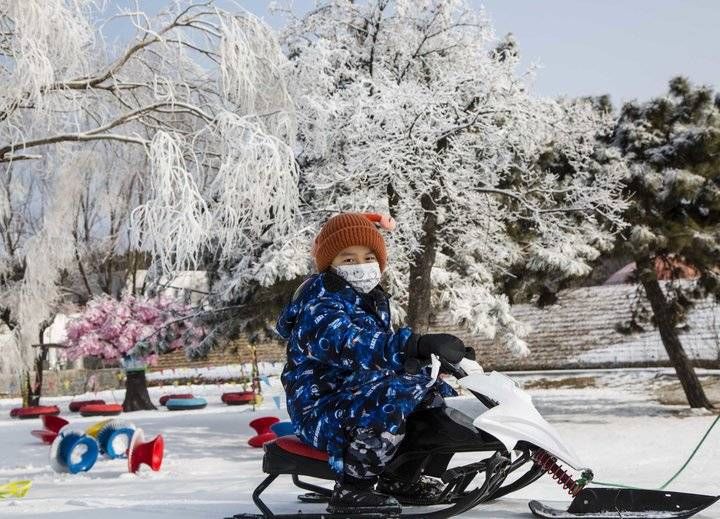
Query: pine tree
{"points": [[673, 145]]}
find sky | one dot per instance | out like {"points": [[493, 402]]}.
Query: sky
{"points": [[626, 48]]}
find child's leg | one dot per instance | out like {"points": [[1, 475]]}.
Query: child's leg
{"points": [[368, 452], [364, 460]]}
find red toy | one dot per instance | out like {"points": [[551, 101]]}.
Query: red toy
{"points": [[101, 410], [150, 453], [52, 425], [78, 404], [165, 398], [34, 411], [238, 398], [262, 427]]}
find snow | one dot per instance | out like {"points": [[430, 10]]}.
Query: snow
{"points": [[209, 471]]}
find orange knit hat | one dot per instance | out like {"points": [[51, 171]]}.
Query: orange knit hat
{"points": [[347, 229]]}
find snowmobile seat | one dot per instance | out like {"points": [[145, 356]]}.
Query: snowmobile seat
{"points": [[290, 455]]}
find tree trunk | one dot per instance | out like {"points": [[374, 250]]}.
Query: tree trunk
{"points": [[420, 289], [136, 393], [35, 392], [668, 333]]}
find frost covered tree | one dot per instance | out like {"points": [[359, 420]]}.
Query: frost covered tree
{"points": [[673, 143], [414, 108], [193, 108]]}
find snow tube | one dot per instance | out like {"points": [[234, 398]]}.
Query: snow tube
{"points": [[78, 404], [101, 410], [180, 404], [283, 428], [238, 398], [165, 398], [34, 411], [73, 452]]}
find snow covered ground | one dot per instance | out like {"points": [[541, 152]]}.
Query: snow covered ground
{"points": [[611, 419]]}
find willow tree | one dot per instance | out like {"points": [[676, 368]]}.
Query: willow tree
{"points": [[416, 109], [194, 105]]}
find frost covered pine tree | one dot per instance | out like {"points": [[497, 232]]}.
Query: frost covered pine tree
{"points": [[673, 144], [413, 107], [195, 101]]}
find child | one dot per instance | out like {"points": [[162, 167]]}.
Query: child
{"points": [[348, 389]]}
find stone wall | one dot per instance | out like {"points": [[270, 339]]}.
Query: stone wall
{"points": [[77, 381], [69, 382], [236, 352]]}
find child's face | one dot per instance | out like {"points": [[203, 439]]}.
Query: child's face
{"points": [[354, 256]]}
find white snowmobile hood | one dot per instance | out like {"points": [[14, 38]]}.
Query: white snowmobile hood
{"points": [[514, 418]]}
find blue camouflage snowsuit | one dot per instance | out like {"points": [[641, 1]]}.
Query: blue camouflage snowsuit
{"points": [[344, 378]]}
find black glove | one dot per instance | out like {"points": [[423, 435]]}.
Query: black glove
{"points": [[469, 353], [444, 345]]}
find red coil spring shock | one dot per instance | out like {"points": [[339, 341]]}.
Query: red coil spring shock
{"points": [[549, 464]]}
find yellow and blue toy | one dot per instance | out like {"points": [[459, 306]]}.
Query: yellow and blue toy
{"points": [[73, 451], [114, 438]]}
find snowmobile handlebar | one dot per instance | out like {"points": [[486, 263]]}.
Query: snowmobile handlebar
{"points": [[452, 369], [413, 365]]}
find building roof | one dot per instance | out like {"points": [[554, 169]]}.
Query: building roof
{"points": [[666, 269]]}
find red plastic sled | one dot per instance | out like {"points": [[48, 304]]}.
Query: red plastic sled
{"points": [[34, 411], [77, 404], [165, 398], [52, 425], [101, 410], [238, 398], [47, 437], [262, 427], [261, 439], [142, 452]]}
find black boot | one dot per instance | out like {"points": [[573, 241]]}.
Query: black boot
{"points": [[358, 497], [425, 491]]}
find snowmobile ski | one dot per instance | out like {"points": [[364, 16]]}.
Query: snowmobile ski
{"points": [[622, 503]]}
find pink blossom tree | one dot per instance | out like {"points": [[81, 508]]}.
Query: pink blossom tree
{"points": [[133, 331]]}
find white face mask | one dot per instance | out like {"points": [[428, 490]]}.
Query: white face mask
{"points": [[363, 277]]}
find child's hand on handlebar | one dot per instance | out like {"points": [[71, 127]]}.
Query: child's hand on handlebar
{"points": [[444, 345]]}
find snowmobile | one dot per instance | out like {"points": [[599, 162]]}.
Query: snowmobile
{"points": [[509, 436]]}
